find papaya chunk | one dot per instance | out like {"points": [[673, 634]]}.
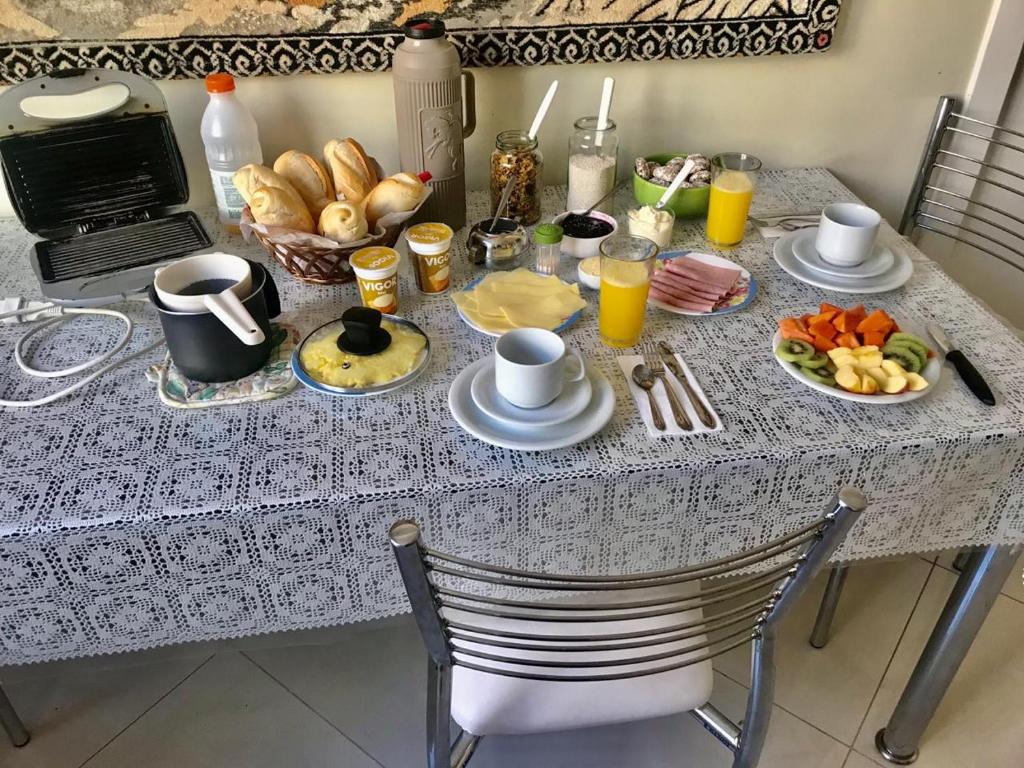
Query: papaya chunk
{"points": [[794, 328], [848, 340], [845, 322], [823, 328], [826, 307], [875, 337], [823, 344], [875, 322], [826, 317]]}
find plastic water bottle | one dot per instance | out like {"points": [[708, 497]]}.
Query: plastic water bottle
{"points": [[231, 140]]}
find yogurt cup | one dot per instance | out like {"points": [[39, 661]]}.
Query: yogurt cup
{"points": [[376, 269], [430, 248]]}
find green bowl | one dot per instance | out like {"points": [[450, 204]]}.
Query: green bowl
{"points": [[685, 203]]}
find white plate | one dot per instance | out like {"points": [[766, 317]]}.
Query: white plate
{"points": [[879, 262], [497, 334], [932, 373], [900, 272], [530, 438], [739, 301], [574, 398]]}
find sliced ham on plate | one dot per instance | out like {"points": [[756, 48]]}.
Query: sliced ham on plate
{"points": [[694, 286]]}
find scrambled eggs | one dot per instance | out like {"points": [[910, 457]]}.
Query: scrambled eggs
{"points": [[326, 363]]}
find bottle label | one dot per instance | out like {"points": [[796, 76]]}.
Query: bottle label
{"points": [[442, 140], [229, 200]]}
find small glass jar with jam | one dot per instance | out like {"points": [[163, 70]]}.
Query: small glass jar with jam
{"points": [[515, 153]]}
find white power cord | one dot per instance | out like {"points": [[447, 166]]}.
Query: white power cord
{"points": [[58, 314]]}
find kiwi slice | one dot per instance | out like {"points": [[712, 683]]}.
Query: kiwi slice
{"points": [[818, 361], [902, 346], [831, 367], [795, 351], [904, 356], [818, 376], [912, 342]]}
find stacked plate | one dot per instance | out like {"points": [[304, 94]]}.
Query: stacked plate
{"points": [[884, 270], [583, 408]]}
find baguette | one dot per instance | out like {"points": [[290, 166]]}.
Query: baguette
{"points": [[251, 177], [398, 193], [278, 207], [351, 169], [308, 177], [343, 222]]}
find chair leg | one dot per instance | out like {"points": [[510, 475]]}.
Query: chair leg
{"points": [[829, 603], [463, 749], [12, 724], [439, 704], [759, 701]]}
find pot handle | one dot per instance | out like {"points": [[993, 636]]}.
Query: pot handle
{"points": [[270, 294], [229, 310]]}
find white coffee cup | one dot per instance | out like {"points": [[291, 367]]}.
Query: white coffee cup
{"points": [[846, 233], [530, 367]]}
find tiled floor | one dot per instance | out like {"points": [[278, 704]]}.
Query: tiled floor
{"points": [[354, 697]]}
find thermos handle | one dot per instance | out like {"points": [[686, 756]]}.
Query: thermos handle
{"points": [[230, 311], [468, 104]]}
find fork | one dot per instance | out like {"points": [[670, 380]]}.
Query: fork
{"points": [[786, 225], [653, 361]]}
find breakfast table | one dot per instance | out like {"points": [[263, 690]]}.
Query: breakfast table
{"points": [[126, 524]]}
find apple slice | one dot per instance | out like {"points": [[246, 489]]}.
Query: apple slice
{"points": [[870, 360], [868, 385], [838, 352], [916, 382], [863, 349], [848, 378], [893, 368], [894, 385], [879, 375]]}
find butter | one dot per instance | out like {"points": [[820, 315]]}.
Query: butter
{"points": [[325, 362], [652, 223]]}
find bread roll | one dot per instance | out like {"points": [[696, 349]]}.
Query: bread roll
{"points": [[308, 177], [278, 207], [353, 173], [398, 193], [251, 177], [343, 222]]}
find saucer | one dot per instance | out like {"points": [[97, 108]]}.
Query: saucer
{"points": [[527, 437], [879, 262], [901, 271], [484, 391]]}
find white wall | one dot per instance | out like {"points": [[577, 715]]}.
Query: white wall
{"points": [[860, 109]]}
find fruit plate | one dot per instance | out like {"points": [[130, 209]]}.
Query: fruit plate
{"points": [[932, 372], [743, 297], [569, 321]]}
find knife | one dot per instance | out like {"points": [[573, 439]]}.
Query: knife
{"points": [[964, 367], [668, 357]]}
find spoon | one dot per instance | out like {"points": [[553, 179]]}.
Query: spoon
{"points": [[506, 193], [604, 197], [679, 179], [645, 379]]}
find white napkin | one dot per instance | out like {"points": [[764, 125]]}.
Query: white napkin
{"points": [[628, 362]]}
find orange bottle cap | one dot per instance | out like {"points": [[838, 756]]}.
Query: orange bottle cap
{"points": [[220, 82]]}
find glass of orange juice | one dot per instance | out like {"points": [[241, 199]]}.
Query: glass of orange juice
{"points": [[733, 175], [627, 262]]}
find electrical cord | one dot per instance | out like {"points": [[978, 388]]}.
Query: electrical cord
{"points": [[63, 314]]}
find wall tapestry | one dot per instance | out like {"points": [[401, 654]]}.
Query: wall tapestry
{"points": [[190, 38]]}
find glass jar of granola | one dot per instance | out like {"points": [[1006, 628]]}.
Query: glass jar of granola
{"points": [[516, 153]]}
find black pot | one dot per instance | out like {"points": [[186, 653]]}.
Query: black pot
{"points": [[204, 349]]}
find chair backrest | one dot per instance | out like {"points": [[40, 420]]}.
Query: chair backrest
{"points": [[963, 149], [454, 598]]}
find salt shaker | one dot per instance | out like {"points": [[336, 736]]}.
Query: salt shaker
{"points": [[593, 154], [547, 239]]}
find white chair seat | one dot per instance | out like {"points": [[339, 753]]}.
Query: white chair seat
{"points": [[485, 703]]}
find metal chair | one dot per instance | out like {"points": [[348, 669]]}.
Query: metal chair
{"points": [[517, 651], [959, 148], [12, 724]]}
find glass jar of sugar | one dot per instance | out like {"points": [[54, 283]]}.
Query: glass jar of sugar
{"points": [[593, 155]]}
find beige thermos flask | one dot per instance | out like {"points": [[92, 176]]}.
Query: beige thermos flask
{"points": [[433, 117]]}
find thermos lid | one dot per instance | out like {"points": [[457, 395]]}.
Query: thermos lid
{"points": [[424, 28]]}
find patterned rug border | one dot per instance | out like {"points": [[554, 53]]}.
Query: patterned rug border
{"points": [[197, 56]]}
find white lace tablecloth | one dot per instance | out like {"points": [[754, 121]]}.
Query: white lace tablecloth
{"points": [[125, 524]]}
